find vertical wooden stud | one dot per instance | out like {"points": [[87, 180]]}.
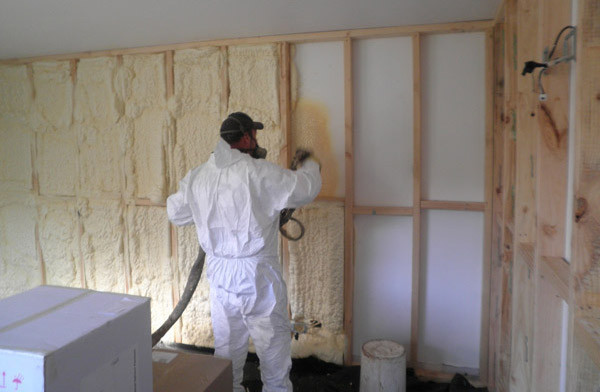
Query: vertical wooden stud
{"points": [[349, 201], [416, 215]]}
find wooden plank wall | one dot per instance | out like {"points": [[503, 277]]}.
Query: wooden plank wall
{"points": [[530, 279]]}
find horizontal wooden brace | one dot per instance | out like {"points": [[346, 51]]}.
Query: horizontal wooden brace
{"points": [[452, 205], [367, 210]]}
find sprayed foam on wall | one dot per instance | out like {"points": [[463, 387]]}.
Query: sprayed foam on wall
{"points": [[316, 280], [196, 106], [141, 85], [151, 272], [19, 266], [102, 245], [56, 140], [59, 241], [196, 325], [97, 111], [107, 139], [254, 89], [15, 150], [15, 155]]}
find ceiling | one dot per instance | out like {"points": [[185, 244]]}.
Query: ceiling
{"points": [[43, 27]]}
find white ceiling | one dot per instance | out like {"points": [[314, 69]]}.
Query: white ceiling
{"points": [[42, 27]]}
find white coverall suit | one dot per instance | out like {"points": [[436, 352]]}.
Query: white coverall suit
{"points": [[234, 201]]}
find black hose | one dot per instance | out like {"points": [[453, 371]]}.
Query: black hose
{"points": [[190, 287]]}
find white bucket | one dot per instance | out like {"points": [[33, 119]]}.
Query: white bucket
{"points": [[382, 367]]}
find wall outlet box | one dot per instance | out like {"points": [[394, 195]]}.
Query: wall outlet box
{"points": [[66, 339]]}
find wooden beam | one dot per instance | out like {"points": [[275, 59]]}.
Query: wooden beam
{"points": [[224, 74], [557, 271], [416, 210], [508, 177], [551, 195], [285, 156], [339, 35], [585, 255], [488, 218], [587, 332], [369, 210], [453, 205], [497, 208], [525, 252], [169, 73], [349, 204]]}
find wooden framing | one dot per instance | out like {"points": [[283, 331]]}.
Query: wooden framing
{"points": [[417, 204], [350, 210], [542, 281], [349, 204]]}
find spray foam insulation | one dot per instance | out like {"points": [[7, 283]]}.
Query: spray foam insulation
{"points": [[16, 97], [316, 279], [100, 135], [16, 93], [149, 251], [196, 106], [59, 241], [19, 266], [102, 245], [52, 118], [254, 89], [15, 155], [195, 322], [141, 85]]}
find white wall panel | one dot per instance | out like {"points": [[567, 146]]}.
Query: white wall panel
{"points": [[383, 121], [382, 279], [319, 113], [450, 288], [453, 85]]}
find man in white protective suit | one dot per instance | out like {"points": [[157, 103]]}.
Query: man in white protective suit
{"points": [[235, 199]]}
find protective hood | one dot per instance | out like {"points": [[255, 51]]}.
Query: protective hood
{"points": [[225, 156]]}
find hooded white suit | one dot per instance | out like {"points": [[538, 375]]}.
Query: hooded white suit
{"points": [[234, 201]]}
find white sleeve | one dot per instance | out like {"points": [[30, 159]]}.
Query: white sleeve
{"points": [[293, 189], [178, 208]]}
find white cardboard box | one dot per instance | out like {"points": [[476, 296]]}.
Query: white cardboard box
{"points": [[59, 339]]}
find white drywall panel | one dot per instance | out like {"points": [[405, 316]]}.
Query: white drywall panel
{"points": [[453, 113], [450, 288], [102, 244], [19, 266], [316, 280], [254, 89], [196, 326], [318, 109], [101, 139], [383, 121], [196, 106], [149, 248], [56, 155], [382, 280], [59, 241]]}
